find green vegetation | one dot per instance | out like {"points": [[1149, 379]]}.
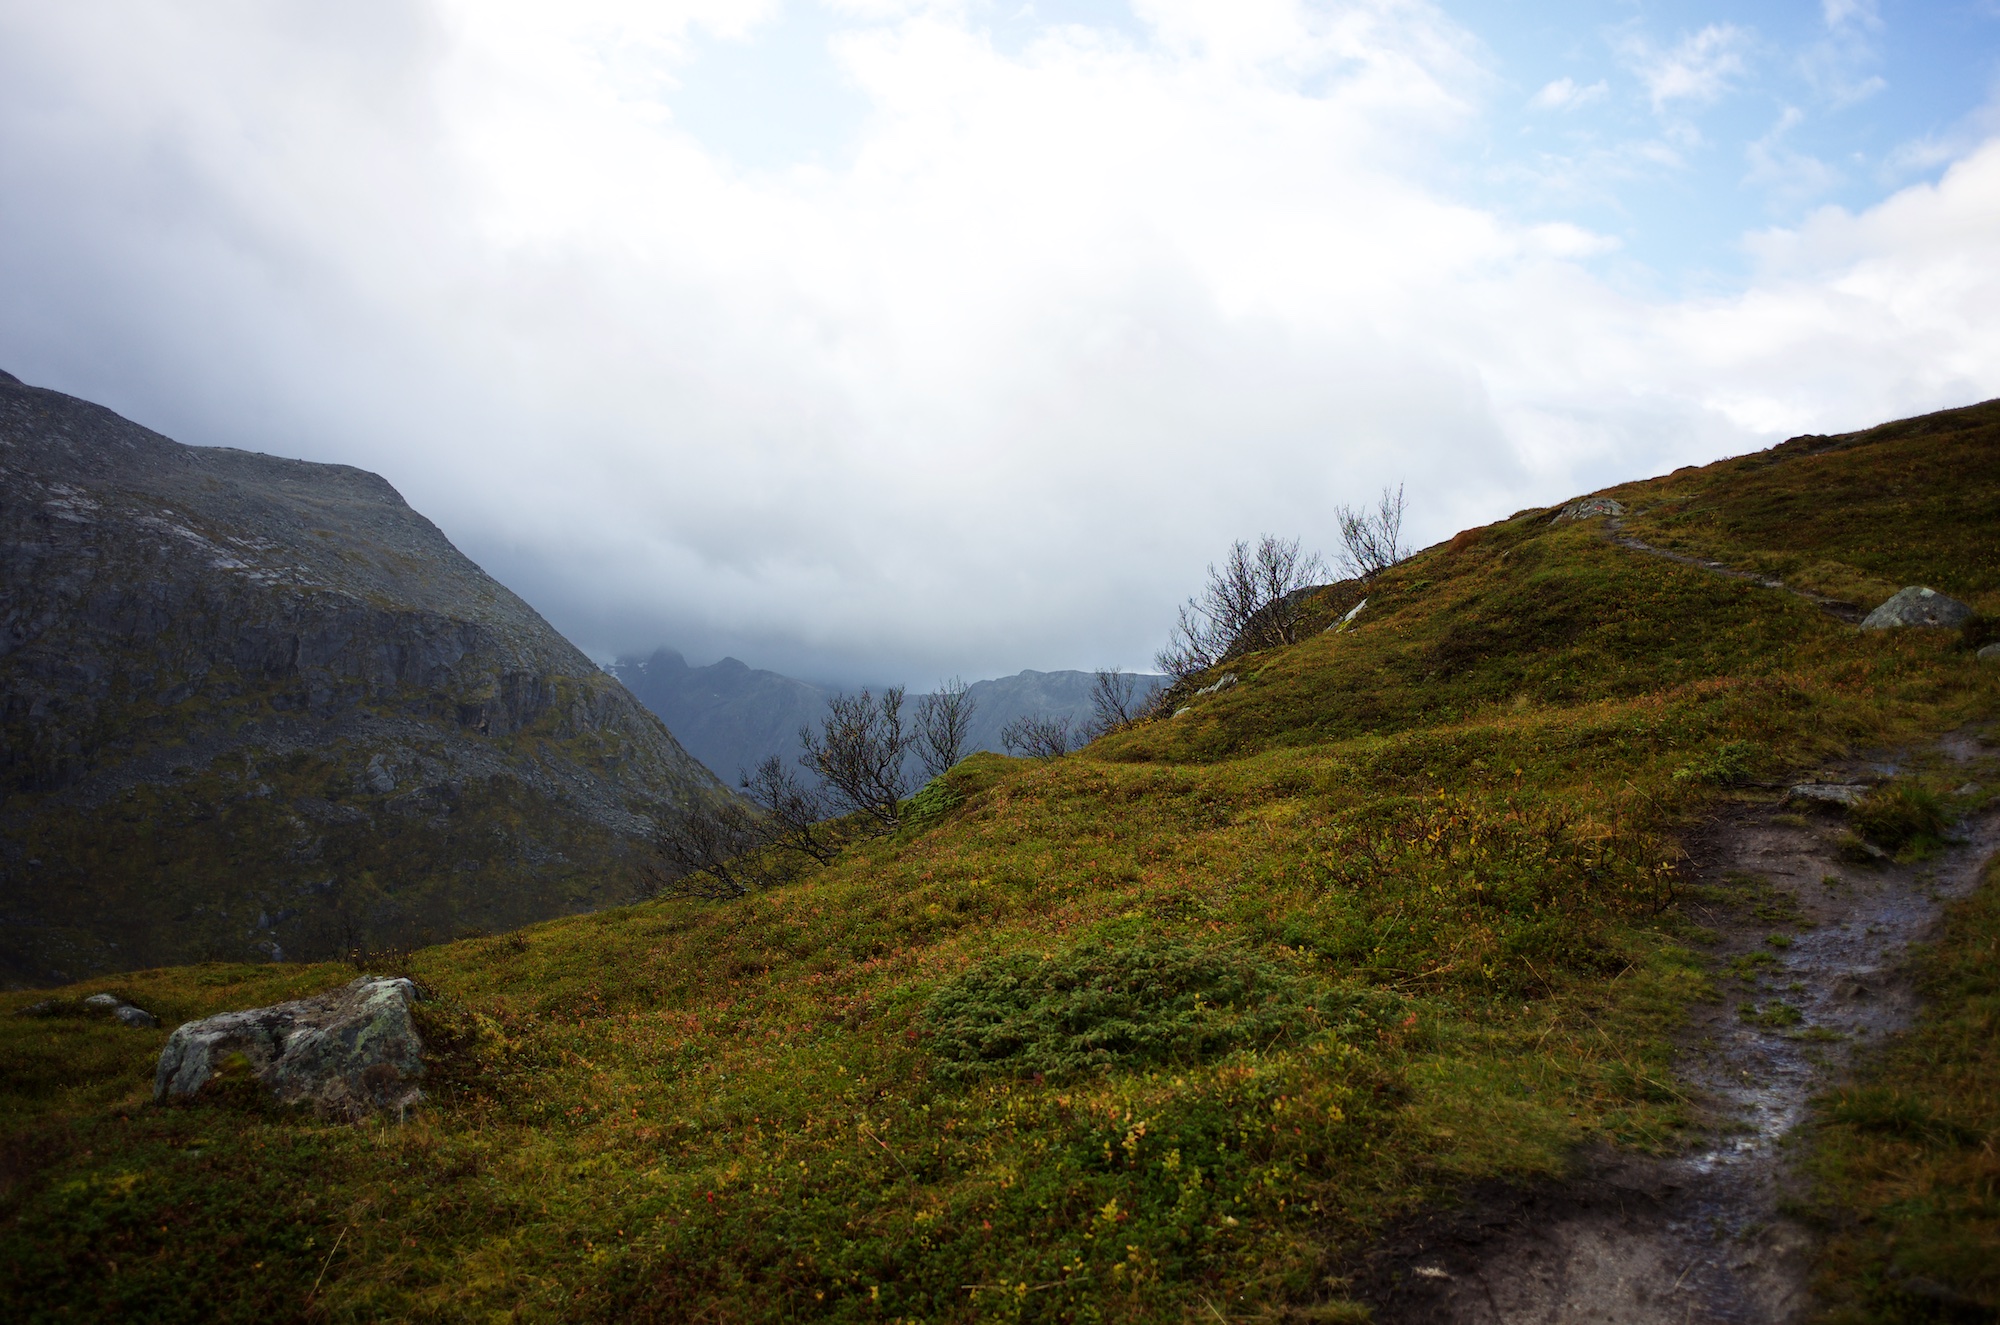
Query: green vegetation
{"points": [[1165, 1028], [1902, 818], [1908, 1178]]}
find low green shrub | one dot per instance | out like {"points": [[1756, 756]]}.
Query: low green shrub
{"points": [[1096, 1007]]}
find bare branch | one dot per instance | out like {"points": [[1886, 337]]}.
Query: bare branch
{"points": [[1252, 601], [701, 847], [1112, 700], [1373, 540], [944, 721], [1038, 737], [858, 755], [794, 813]]}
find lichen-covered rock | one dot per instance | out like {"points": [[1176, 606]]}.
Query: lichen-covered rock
{"points": [[1844, 794], [348, 1053], [1917, 606], [137, 1018], [1584, 508]]}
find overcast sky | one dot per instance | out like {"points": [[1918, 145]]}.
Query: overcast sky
{"points": [[887, 339]]}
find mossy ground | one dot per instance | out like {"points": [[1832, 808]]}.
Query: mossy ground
{"points": [[1426, 865]]}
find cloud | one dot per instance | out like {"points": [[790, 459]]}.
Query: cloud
{"points": [[1851, 14], [1699, 69], [1565, 94], [1788, 176], [983, 386]]}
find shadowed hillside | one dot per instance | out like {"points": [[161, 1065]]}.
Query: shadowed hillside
{"points": [[257, 706]]}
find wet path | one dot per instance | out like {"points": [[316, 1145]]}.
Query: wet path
{"points": [[1808, 964]]}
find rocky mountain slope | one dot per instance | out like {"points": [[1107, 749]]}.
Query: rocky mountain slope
{"points": [[732, 716], [256, 706]]}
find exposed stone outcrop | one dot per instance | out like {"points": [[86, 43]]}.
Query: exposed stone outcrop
{"points": [[1584, 508], [1917, 606], [347, 1054], [253, 707]]}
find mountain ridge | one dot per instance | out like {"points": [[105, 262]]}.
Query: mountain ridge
{"points": [[181, 626], [732, 716]]}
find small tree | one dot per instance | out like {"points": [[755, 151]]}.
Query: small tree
{"points": [[703, 848], [944, 722], [858, 755], [1372, 540], [1112, 700], [794, 814], [1037, 737], [1250, 602]]}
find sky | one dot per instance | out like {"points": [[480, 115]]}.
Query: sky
{"points": [[889, 340]]}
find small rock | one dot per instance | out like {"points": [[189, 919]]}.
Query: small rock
{"points": [[1583, 508], [1991, 653], [347, 1053], [1223, 682], [1348, 620], [1917, 606], [1830, 793], [136, 1018], [103, 1002], [1183, 710], [378, 778], [41, 1009]]}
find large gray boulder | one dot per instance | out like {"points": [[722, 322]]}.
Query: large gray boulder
{"points": [[347, 1053], [1917, 606]]}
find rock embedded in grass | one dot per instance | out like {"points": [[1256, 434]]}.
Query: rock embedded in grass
{"points": [[1584, 508], [1847, 794], [1918, 606], [348, 1053]]}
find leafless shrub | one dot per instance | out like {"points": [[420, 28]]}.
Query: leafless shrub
{"points": [[702, 849], [943, 721], [1372, 540], [794, 813], [858, 755], [1038, 737], [1252, 601], [1113, 700]]}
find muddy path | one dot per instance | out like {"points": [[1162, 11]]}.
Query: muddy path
{"points": [[1808, 963]]}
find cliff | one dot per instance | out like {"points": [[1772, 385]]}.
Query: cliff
{"points": [[260, 707]]}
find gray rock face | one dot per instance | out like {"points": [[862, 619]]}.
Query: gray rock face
{"points": [[1917, 606], [1844, 794], [251, 705], [1584, 508], [347, 1054]]}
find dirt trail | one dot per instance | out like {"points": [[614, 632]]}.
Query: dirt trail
{"points": [[1614, 530], [1699, 1237]]}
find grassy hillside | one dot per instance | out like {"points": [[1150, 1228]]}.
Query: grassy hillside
{"points": [[1164, 1029]]}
